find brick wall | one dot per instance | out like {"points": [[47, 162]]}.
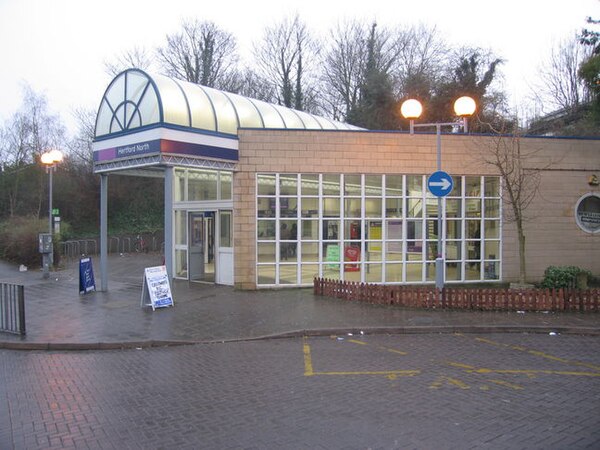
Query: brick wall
{"points": [[553, 236]]}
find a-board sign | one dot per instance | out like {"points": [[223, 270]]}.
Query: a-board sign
{"points": [[86, 276], [156, 291]]}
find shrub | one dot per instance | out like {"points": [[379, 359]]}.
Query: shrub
{"points": [[562, 277], [19, 240]]}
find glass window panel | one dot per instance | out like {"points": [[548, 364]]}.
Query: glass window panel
{"points": [[310, 252], [473, 249], [309, 273], [288, 207], [265, 251], [393, 251], [225, 180], [181, 263], [414, 272], [491, 270], [457, 187], [491, 250], [393, 185], [331, 230], [414, 229], [310, 207], [473, 229], [352, 273], [492, 208], [202, 185], [266, 185], [352, 185], [453, 229], [473, 207], [373, 230], [309, 184], [265, 230], [431, 250], [373, 185], [430, 271], [352, 252], [454, 271], [352, 229], [415, 207], [331, 184], [414, 250], [374, 252], [104, 119], [180, 227], [453, 250], [288, 230], [287, 252], [265, 207], [226, 228], [227, 120], [203, 116], [310, 230], [288, 184], [373, 207], [414, 185], [331, 256], [266, 274], [473, 271], [246, 112], [492, 186], [331, 271], [431, 207], [171, 95], [431, 229], [492, 229], [454, 207], [373, 273], [331, 207], [473, 186], [393, 229], [352, 207], [393, 207], [393, 273]]}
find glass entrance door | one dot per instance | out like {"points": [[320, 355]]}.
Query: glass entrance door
{"points": [[202, 246]]}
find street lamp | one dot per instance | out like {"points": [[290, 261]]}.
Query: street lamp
{"points": [[50, 159], [412, 109]]}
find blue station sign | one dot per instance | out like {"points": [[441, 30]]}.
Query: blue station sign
{"points": [[440, 183]]}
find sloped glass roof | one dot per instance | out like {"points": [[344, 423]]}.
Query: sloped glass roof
{"points": [[135, 99]]}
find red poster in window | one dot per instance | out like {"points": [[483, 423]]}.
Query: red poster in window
{"points": [[351, 254]]}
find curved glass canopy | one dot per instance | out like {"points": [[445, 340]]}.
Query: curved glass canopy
{"points": [[135, 99]]}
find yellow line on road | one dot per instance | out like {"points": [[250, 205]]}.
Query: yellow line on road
{"points": [[308, 367], [354, 341], [531, 372]]}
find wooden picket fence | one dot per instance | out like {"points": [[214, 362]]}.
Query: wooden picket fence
{"points": [[460, 298]]}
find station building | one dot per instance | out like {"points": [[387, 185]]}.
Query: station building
{"points": [[262, 196]]}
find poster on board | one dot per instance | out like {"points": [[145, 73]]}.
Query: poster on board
{"points": [[156, 290], [86, 276]]}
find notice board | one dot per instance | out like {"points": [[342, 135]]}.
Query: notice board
{"points": [[156, 291]]}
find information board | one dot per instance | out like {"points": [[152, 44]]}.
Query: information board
{"points": [[156, 291], [86, 276]]}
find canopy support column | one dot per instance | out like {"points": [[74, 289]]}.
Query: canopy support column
{"points": [[103, 232], [169, 221]]}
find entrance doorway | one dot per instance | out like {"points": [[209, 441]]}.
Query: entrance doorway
{"points": [[202, 246]]}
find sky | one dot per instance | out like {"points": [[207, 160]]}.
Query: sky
{"points": [[58, 47]]}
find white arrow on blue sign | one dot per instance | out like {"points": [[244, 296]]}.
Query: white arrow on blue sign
{"points": [[440, 183]]}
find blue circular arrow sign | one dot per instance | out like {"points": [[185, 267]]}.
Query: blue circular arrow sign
{"points": [[440, 183]]}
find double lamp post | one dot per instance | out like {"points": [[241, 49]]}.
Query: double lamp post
{"points": [[440, 183]]}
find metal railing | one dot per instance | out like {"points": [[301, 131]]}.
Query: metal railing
{"points": [[12, 308], [116, 244]]}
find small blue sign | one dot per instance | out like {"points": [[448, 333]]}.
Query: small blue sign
{"points": [[440, 183], [86, 276]]}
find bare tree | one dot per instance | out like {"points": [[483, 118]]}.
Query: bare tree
{"points": [[520, 179], [284, 58], [560, 83], [202, 53], [137, 58]]}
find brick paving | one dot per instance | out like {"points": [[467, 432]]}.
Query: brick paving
{"points": [[492, 391]]}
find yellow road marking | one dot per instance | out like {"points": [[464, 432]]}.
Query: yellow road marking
{"points": [[394, 351], [354, 341], [452, 381], [534, 372], [539, 354], [308, 367]]}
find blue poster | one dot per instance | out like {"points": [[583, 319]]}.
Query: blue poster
{"points": [[86, 276]]}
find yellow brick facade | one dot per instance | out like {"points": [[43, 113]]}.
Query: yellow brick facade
{"points": [[552, 235]]}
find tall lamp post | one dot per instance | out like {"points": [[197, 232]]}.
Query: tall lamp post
{"points": [[50, 159], [412, 109]]}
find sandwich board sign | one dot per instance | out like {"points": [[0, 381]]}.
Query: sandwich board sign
{"points": [[86, 276], [156, 290]]}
